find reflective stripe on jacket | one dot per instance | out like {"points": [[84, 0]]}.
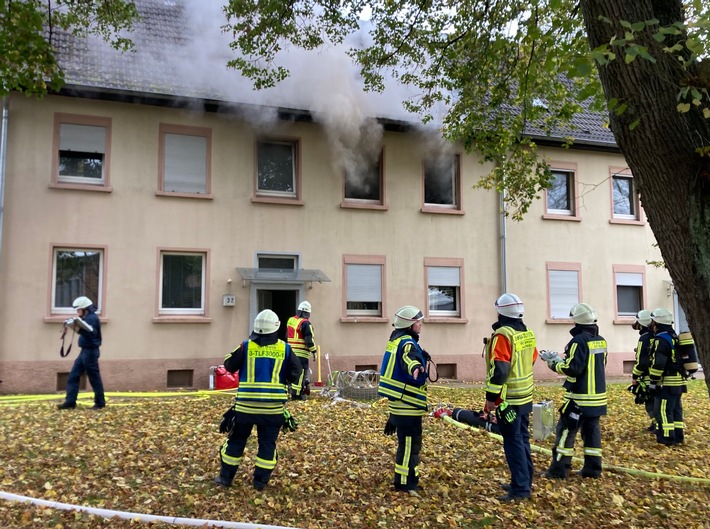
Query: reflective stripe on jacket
{"points": [[512, 378], [666, 368], [585, 370], [406, 394], [262, 380], [294, 335]]}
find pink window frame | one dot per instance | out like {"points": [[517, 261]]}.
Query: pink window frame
{"points": [[268, 199], [80, 119], [184, 130], [452, 262], [51, 315], [457, 209], [568, 167], [631, 269], [561, 266], [624, 172], [368, 204], [182, 318], [368, 260]]}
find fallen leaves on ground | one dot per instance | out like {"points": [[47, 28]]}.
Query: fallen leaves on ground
{"points": [[159, 456]]}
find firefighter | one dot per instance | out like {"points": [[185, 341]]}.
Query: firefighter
{"points": [[510, 354], [403, 381], [266, 365], [88, 325], [585, 399], [666, 379], [639, 374], [301, 338]]}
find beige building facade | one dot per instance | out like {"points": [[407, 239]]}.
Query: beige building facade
{"points": [[181, 225]]}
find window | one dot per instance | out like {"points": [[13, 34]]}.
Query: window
{"points": [[182, 283], [563, 288], [560, 194], [443, 277], [624, 199], [629, 281], [81, 151], [276, 168], [185, 160], [76, 272], [277, 262], [363, 280], [442, 183], [364, 182]]}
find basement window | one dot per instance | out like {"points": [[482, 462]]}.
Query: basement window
{"points": [[179, 378]]}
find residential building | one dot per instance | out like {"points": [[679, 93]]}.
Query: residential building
{"points": [[182, 212]]}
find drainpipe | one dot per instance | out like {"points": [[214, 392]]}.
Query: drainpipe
{"points": [[503, 243], [3, 157]]}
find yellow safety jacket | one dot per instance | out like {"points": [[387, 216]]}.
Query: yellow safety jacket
{"points": [[516, 386], [295, 337]]}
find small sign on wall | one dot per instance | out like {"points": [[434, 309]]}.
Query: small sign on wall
{"points": [[229, 300]]}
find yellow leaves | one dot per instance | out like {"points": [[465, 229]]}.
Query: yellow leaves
{"points": [[336, 471], [617, 500]]}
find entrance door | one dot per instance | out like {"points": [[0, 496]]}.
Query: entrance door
{"points": [[282, 302]]}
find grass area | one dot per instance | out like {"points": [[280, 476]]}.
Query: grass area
{"points": [[159, 455]]}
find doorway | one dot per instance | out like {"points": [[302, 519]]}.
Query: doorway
{"points": [[282, 302]]}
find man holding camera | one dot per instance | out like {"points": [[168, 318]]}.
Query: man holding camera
{"points": [[88, 325]]}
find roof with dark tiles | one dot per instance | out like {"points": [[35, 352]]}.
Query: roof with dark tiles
{"points": [[181, 55]]}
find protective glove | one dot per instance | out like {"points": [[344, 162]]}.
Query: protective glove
{"points": [[505, 414], [390, 428], [551, 358], [229, 419], [290, 422], [426, 355]]}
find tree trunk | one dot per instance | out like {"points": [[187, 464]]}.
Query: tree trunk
{"points": [[673, 179]]}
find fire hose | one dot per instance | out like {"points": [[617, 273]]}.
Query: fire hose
{"points": [[605, 466]]}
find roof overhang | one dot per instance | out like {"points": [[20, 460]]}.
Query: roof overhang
{"points": [[272, 275]]}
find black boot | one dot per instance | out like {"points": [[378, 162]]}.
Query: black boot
{"points": [[226, 475], [66, 406]]}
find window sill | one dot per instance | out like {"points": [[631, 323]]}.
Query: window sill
{"points": [[181, 319], [59, 318], [573, 218], [624, 320], [627, 221], [277, 200], [555, 321], [364, 319], [440, 319], [81, 187], [346, 204], [204, 196], [442, 210]]}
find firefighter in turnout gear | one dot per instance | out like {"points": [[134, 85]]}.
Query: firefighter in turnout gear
{"points": [[403, 381], [301, 338], [642, 362], [585, 400], [266, 365], [510, 354], [666, 379]]}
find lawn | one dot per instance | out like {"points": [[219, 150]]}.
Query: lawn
{"points": [[156, 454]]}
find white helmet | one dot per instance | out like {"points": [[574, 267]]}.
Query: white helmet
{"points": [[407, 316], [643, 317], [82, 302], [662, 316], [510, 305], [266, 322], [305, 306], [584, 314]]}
